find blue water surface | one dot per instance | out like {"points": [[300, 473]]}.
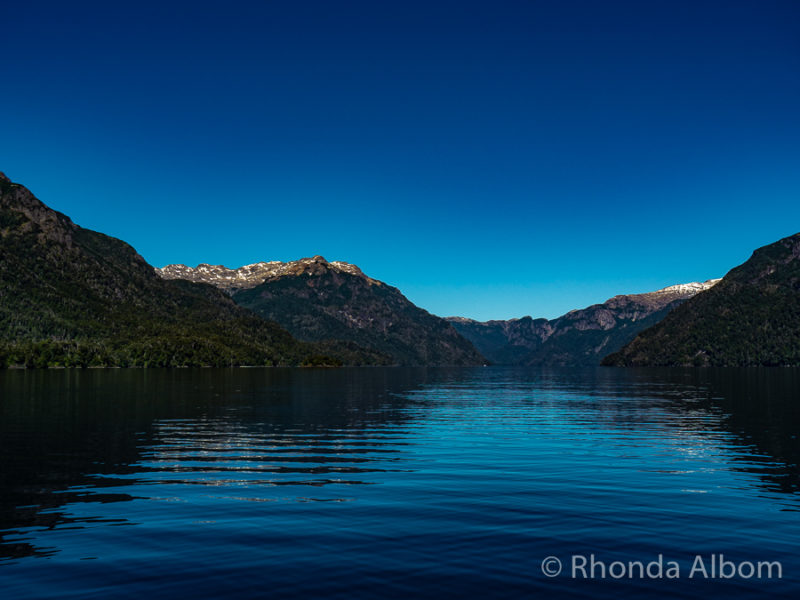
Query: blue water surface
{"points": [[396, 483]]}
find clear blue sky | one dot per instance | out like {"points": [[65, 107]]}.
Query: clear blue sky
{"points": [[490, 159]]}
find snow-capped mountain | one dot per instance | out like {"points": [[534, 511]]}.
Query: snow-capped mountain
{"points": [[581, 337], [249, 276], [317, 300]]}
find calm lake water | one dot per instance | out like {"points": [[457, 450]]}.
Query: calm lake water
{"points": [[384, 483]]}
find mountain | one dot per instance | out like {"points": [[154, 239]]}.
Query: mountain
{"points": [[317, 300], [580, 337], [750, 318], [249, 276], [74, 297]]}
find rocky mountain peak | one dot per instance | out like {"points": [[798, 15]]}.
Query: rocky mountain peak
{"points": [[770, 264], [660, 298], [252, 275], [692, 288], [46, 222]]}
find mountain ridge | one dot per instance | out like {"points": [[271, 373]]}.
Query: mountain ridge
{"points": [[317, 300], [249, 276], [70, 296], [580, 337], [751, 318]]}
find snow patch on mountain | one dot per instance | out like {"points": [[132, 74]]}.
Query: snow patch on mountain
{"points": [[249, 276], [688, 288]]}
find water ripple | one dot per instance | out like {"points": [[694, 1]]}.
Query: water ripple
{"points": [[389, 482]]}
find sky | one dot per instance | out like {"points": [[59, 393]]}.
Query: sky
{"points": [[490, 159]]}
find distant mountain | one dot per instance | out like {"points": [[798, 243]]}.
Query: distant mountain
{"points": [[317, 300], [74, 297], [249, 276], [751, 318], [580, 337]]}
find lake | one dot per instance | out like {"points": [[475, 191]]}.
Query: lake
{"points": [[399, 483]]}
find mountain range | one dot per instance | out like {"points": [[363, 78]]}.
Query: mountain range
{"points": [[74, 297], [317, 300], [250, 276], [750, 318], [580, 337]]}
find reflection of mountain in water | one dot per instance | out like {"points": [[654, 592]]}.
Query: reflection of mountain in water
{"points": [[66, 436], [72, 439], [758, 410], [762, 409]]}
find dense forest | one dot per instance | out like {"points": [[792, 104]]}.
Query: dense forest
{"points": [[320, 302], [70, 297]]}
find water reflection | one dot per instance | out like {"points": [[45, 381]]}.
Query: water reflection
{"points": [[755, 412], [493, 456], [67, 435]]}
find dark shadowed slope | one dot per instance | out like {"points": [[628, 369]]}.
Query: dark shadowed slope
{"points": [[751, 318], [317, 300], [580, 337], [74, 297]]}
